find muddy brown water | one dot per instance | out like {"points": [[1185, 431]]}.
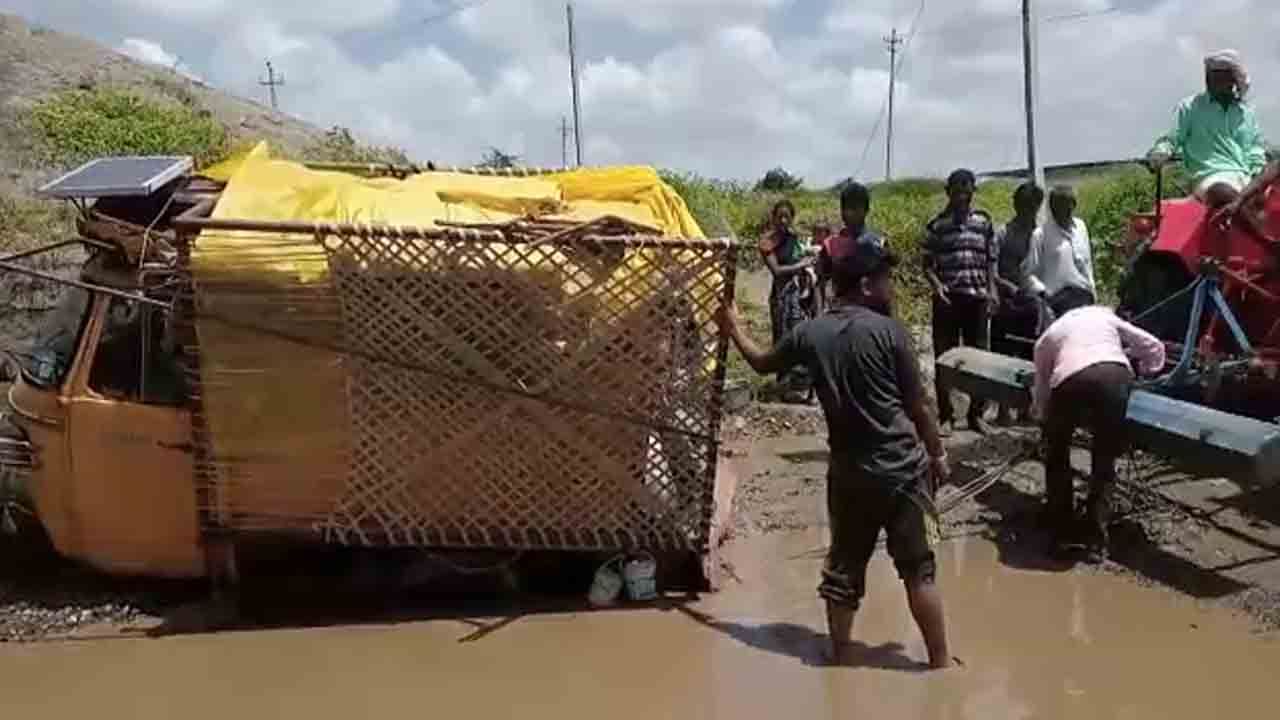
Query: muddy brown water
{"points": [[1034, 644]]}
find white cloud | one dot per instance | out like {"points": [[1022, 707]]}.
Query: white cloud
{"points": [[153, 53], [666, 15], [515, 27], [728, 88], [148, 52], [334, 15]]}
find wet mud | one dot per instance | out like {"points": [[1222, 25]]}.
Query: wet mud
{"points": [[1033, 643]]}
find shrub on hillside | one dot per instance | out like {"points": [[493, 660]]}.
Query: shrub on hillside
{"points": [[79, 124], [27, 223], [779, 180], [339, 145]]}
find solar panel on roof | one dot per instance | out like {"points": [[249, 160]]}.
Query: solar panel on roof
{"points": [[119, 177]]}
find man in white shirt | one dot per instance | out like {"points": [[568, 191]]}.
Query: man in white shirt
{"points": [[1083, 378], [1059, 264]]}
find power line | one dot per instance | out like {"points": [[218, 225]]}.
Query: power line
{"points": [[884, 107], [1012, 19], [453, 10], [1083, 15]]}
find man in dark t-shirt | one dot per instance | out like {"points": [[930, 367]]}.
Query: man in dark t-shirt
{"points": [[868, 381]]}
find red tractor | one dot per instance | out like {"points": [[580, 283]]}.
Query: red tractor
{"points": [[1213, 294]]}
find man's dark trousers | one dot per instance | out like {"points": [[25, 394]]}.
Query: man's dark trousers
{"points": [[1097, 398], [963, 321]]}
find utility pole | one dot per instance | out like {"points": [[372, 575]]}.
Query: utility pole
{"points": [[573, 78], [1031, 88], [272, 82], [893, 41], [564, 141]]}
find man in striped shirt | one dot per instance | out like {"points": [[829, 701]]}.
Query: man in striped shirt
{"points": [[960, 261]]}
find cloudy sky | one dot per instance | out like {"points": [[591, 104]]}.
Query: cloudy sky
{"points": [[726, 88]]}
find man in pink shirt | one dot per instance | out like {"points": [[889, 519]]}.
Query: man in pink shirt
{"points": [[1083, 378]]}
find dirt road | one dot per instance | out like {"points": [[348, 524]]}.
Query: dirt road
{"points": [[1158, 632], [1033, 644], [1208, 538]]}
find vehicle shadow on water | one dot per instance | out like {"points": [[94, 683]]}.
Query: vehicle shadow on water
{"points": [[312, 588], [482, 614], [807, 645]]}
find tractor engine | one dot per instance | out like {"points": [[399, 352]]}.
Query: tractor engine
{"points": [[1213, 294]]}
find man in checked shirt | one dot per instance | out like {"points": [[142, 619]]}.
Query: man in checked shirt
{"points": [[960, 262]]}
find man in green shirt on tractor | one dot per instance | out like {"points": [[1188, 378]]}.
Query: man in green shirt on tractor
{"points": [[1217, 133]]}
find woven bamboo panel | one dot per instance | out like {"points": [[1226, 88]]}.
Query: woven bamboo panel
{"points": [[554, 395]]}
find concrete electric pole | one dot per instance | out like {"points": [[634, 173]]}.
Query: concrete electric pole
{"points": [[573, 78], [1031, 89], [893, 41], [272, 82]]}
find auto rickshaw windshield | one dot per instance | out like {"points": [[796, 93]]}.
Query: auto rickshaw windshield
{"points": [[47, 358]]}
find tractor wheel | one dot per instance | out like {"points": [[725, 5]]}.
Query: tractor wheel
{"points": [[1154, 279]]}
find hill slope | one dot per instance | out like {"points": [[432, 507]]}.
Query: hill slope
{"points": [[36, 63]]}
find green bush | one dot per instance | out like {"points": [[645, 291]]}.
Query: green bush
{"points": [[27, 223], [1106, 205], [779, 180], [339, 145], [77, 125], [900, 210]]}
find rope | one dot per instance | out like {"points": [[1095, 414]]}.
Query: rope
{"points": [[1189, 288], [980, 484], [146, 234]]}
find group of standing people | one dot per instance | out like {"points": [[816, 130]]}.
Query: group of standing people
{"points": [[887, 453], [994, 288], [1025, 289], [1034, 283]]}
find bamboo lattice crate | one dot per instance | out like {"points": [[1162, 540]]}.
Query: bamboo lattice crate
{"points": [[562, 395]]}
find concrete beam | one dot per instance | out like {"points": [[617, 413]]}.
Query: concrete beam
{"points": [[1199, 437]]}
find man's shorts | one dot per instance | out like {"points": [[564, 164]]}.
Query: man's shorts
{"points": [[1236, 180], [857, 512]]}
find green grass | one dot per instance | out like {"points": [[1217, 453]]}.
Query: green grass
{"points": [[77, 125], [755, 315], [339, 145], [28, 223], [901, 209]]}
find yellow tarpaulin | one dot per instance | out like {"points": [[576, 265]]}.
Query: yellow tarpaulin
{"points": [[262, 188], [267, 397]]}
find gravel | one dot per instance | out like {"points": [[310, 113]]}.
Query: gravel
{"points": [[43, 596]]}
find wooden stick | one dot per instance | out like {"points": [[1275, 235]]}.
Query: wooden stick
{"points": [[11, 267]]}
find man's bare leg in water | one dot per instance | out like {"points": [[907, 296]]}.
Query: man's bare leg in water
{"points": [[840, 628], [926, 608]]}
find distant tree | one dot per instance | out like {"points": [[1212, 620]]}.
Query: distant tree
{"points": [[779, 180], [840, 186], [339, 145], [496, 159]]}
